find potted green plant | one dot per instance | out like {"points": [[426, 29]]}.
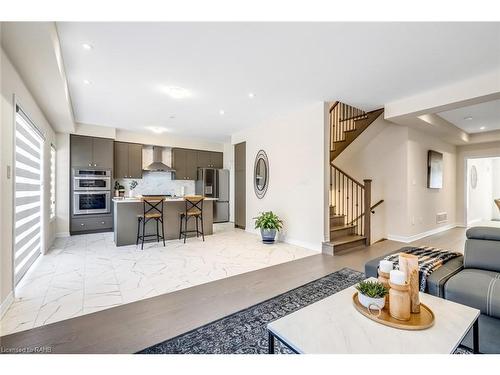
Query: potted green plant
{"points": [[372, 293], [269, 223], [117, 189]]}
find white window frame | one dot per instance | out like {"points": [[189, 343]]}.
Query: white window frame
{"points": [[52, 203]]}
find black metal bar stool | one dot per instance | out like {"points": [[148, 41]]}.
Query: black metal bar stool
{"points": [[193, 209], [152, 210]]}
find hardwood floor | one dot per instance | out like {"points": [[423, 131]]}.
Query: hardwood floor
{"points": [[131, 327]]}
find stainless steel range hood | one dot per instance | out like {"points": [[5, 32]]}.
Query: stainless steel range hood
{"points": [[157, 164]]}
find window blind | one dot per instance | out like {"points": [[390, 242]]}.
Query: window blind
{"points": [[28, 191]]}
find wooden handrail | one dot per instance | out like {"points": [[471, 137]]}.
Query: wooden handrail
{"points": [[333, 106], [349, 177], [371, 210], [357, 117]]}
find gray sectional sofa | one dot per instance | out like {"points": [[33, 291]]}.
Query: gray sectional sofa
{"points": [[472, 280]]}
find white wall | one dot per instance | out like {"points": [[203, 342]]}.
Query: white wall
{"points": [[424, 203], [295, 147], [482, 150], [11, 83], [380, 154], [395, 158], [168, 140], [62, 185], [479, 198], [495, 187]]}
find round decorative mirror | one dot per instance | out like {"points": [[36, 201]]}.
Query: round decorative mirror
{"points": [[261, 174], [473, 177]]}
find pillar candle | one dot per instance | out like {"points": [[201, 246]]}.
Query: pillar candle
{"points": [[397, 277], [385, 266]]}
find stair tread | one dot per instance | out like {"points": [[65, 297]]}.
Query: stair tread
{"points": [[336, 216], [346, 239], [341, 227]]}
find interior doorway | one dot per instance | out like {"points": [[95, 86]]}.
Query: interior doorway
{"points": [[483, 191]]}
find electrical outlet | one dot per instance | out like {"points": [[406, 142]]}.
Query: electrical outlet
{"points": [[8, 172]]}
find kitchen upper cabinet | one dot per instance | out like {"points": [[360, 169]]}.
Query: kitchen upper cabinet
{"points": [[128, 160], [91, 152], [134, 160], [186, 162], [121, 160], [102, 151], [191, 164], [209, 159], [216, 160], [81, 151], [180, 164]]}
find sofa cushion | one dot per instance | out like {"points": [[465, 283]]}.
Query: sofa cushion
{"points": [[475, 288], [482, 254], [483, 233]]}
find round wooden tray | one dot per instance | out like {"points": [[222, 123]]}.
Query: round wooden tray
{"points": [[423, 320]]}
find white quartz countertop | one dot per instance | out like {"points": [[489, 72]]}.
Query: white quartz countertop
{"points": [[168, 199]]}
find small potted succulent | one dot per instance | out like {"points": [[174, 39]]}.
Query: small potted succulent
{"points": [[117, 189], [372, 293], [269, 223], [133, 184]]}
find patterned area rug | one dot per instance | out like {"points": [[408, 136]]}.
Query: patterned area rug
{"points": [[244, 332]]}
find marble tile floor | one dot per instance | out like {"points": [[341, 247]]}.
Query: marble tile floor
{"points": [[87, 273]]}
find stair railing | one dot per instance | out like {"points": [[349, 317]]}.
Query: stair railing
{"points": [[352, 199], [343, 118]]}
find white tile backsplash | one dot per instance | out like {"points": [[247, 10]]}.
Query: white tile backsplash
{"points": [[159, 183]]}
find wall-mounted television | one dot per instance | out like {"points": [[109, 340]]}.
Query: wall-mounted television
{"points": [[434, 170]]}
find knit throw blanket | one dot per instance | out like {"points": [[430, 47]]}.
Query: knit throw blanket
{"points": [[429, 260]]}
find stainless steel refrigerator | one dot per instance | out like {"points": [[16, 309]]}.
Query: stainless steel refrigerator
{"points": [[214, 183]]}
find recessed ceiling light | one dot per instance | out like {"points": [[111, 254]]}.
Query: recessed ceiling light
{"points": [[87, 82], [251, 95], [221, 112], [176, 92], [157, 129], [482, 128], [87, 46], [468, 118]]}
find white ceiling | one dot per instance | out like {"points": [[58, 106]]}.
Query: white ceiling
{"points": [[286, 65], [485, 115]]}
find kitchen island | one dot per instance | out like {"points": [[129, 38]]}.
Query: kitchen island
{"points": [[126, 211]]}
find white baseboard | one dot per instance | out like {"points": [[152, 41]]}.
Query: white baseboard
{"points": [[475, 221], [291, 241], [415, 237], [4, 306], [62, 234]]}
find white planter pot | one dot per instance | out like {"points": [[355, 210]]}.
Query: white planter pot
{"points": [[369, 301], [131, 194]]}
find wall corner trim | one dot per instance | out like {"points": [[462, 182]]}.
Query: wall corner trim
{"points": [[4, 306], [418, 236]]}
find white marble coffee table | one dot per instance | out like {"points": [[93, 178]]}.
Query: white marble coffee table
{"points": [[333, 326]]}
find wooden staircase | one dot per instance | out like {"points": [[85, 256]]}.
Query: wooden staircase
{"points": [[350, 200]]}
